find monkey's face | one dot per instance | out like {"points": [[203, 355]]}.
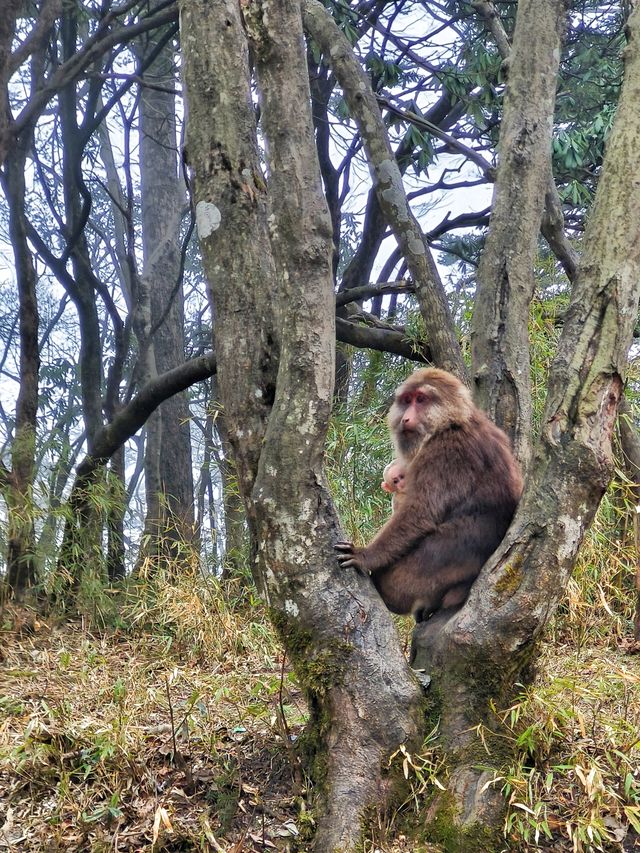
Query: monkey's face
{"points": [[393, 478], [428, 402]]}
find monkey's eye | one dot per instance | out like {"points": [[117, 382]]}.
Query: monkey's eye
{"points": [[421, 398], [405, 400]]}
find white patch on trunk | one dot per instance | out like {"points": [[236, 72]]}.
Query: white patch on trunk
{"points": [[416, 246], [291, 608], [572, 534], [208, 218]]}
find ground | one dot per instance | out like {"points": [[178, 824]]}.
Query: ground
{"points": [[177, 731]]}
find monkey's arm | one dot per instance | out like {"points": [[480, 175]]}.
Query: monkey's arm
{"points": [[397, 538]]}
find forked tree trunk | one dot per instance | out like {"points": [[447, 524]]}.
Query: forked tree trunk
{"points": [[268, 261], [476, 658]]}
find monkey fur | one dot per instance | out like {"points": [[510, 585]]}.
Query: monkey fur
{"points": [[462, 487]]}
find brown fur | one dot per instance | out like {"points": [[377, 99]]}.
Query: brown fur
{"points": [[462, 486]]}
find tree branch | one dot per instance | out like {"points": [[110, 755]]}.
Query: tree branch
{"points": [[94, 47], [134, 415], [383, 340], [368, 291], [450, 142]]}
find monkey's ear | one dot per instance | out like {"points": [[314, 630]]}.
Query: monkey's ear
{"points": [[386, 486]]}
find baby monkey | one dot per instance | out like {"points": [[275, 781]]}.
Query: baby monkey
{"points": [[393, 482]]}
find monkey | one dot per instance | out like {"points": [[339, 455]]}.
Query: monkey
{"points": [[462, 487], [393, 482]]}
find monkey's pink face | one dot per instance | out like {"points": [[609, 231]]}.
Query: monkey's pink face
{"points": [[415, 406], [393, 479], [415, 414]]}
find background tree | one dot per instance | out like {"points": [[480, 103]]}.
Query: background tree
{"points": [[168, 467]]}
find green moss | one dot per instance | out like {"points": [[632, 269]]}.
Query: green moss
{"points": [[444, 830], [511, 578], [317, 671]]}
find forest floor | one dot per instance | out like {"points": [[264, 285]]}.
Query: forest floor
{"points": [[177, 730]]}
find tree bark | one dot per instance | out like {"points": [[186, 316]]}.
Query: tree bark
{"points": [[116, 569], [168, 467], [21, 558], [235, 526], [278, 315], [630, 445], [552, 226], [476, 657], [506, 280]]}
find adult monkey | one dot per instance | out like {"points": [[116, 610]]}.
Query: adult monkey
{"points": [[462, 486]]}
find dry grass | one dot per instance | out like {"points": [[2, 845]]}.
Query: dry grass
{"points": [[168, 740], [175, 731], [576, 786]]}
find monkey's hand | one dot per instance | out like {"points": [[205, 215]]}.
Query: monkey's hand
{"points": [[350, 557]]}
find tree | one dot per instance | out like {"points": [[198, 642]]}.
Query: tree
{"points": [[382, 113], [17, 483], [272, 238], [274, 345], [168, 474]]}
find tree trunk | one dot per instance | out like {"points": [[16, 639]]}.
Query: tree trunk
{"points": [[506, 280], [10, 12], [477, 656], [21, 558], [81, 288], [116, 569], [235, 526], [82, 539], [630, 445], [280, 315], [168, 474]]}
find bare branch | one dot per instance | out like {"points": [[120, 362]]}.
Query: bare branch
{"points": [[450, 142], [382, 340], [134, 415], [46, 16], [494, 24], [368, 291], [94, 47], [388, 185]]}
